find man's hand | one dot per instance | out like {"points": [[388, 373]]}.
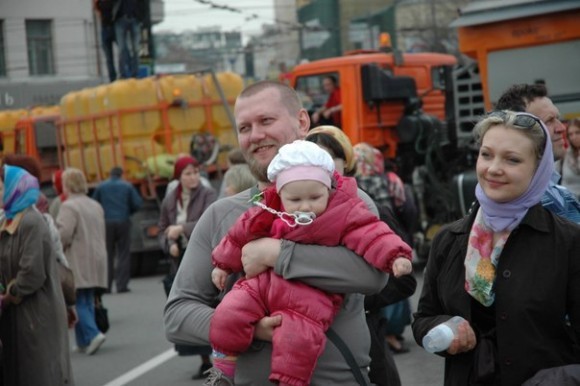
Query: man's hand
{"points": [[465, 339], [327, 113], [265, 327], [173, 231], [260, 255]]}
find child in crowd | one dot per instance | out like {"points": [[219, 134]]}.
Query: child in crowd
{"points": [[311, 204]]}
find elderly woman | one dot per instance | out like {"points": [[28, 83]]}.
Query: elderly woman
{"points": [[33, 322], [180, 210], [81, 224], [510, 268]]}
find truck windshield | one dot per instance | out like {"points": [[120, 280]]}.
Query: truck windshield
{"points": [[311, 90]]}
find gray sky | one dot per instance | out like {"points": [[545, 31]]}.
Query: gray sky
{"points": [[182, 15]]}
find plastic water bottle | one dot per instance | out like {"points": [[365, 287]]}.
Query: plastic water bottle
{"points": [[439, 338]]}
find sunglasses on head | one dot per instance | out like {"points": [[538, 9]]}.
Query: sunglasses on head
{"points": [[523, 120]]}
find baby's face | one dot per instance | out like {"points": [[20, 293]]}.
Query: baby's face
{"points": [[304, 196]]}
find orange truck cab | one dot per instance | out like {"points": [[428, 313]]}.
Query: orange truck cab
{"points": [[402, 104], [377, 90]]}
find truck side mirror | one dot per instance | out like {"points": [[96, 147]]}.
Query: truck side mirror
{"points": [[380, 86]]}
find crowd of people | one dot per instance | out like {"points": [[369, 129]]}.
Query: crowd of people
{"points": [[299, 271]]}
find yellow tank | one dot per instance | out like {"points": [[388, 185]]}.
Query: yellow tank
{"points": [[134, 94], [73, 157], [98, 98], [8, 119], [81, 105], [182, 89], [232, 85], [40, 111], [68, 111], [137, 131]]}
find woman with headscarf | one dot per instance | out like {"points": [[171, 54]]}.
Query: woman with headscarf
{"points": [[180, 210], [509, 268], [32, 166], [33, 322], [81, 224], [56, 202]]}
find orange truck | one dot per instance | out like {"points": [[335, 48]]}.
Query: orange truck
{"points": [[400, 104], [138, 124]]}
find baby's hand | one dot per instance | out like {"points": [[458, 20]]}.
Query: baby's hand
{"points": [[402, 266], [218, 277]]}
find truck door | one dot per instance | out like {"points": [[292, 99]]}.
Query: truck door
{"points": [[45, 133]]}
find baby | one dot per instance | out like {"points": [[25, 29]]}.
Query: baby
{"points": [[309, 203]]}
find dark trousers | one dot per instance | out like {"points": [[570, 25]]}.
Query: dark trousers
{"points": [[383, 370], [119, 245], [107, 40]]}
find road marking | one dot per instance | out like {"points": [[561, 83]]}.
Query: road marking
{"points": [[143, 368]]}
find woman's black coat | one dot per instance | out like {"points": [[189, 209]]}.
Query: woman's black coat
{"points": [[537, 285]]}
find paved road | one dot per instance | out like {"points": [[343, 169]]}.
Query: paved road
{"points": [[136, 352]]}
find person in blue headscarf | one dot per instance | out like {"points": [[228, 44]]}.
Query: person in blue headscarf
{"points": [[510, 268], [34, 318]]}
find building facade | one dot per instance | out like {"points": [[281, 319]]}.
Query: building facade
{"points": [[45, 52]]}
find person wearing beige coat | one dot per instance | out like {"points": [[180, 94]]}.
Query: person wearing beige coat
{"points": [[81, 224]]}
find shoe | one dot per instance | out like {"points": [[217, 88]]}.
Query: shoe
{"points": [[398, 350], [80, 350], [123, 291], [216, 378], [96, 343], [396, 345], [201, 374]]}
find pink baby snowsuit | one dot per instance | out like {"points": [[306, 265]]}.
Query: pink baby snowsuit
{"points": [[307, 312]]}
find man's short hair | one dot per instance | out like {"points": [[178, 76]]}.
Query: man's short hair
{"points": [[116, 171], [518, 96], [288, 96]]}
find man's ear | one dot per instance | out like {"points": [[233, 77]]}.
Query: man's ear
{"points": [[304, 122]]}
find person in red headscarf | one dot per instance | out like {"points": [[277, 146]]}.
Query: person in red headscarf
{"points": [[60, 196], [180, 210]]}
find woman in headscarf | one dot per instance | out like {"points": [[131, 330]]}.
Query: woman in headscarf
{"points": [[33, 322], [32, 166], [180, 210], [81, 224], [510, 267], [56, 202]]}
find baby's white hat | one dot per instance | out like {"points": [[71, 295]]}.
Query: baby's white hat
{"points": [[301, 160]]}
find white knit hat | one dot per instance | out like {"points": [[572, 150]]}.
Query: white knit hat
{"points": [[301, 160]]}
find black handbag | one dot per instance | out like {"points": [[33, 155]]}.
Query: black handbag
{"points": [[101, 315]]}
